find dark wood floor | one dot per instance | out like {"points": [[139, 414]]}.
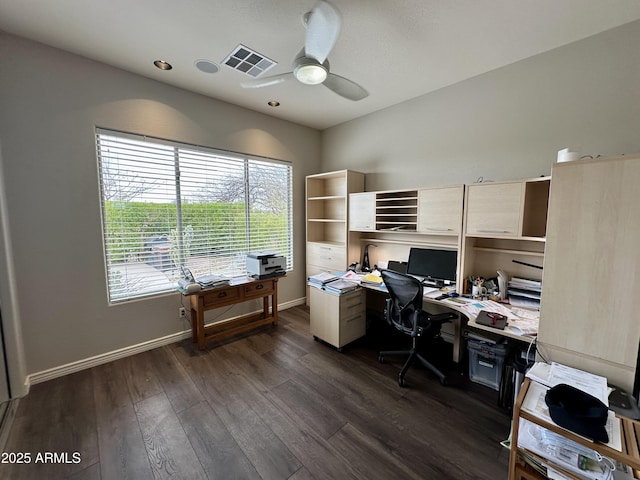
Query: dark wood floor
{"points": [[272, 405]]}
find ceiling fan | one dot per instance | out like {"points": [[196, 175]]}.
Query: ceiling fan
{"points": [[311, 66]]}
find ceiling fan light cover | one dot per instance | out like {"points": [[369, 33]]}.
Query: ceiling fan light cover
{"points": [[311, 74]]}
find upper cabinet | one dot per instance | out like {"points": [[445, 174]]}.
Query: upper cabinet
{"points": [[435, 211], [508, 209], [362, 212], [440, 210]]}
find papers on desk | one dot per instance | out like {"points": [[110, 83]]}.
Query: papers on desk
{"points": [[520, 321], [321, 279], [556, 373], [372, 279]]}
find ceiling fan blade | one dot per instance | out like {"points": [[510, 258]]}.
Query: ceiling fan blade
{"points": [[323, 28], [345, 87], [267, 81]]}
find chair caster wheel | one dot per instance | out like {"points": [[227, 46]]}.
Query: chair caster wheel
{"points": [[401, 382], [380, 359]]}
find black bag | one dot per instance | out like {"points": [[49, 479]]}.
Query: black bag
{"points": [[578, 411]]}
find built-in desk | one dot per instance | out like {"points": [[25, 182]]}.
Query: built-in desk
{"points": [[239, 291], [464, 319]]}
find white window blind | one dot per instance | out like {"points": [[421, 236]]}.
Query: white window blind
{"points": [[166, 204]]}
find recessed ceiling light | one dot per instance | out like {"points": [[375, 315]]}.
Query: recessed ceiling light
{"points": [[162, 65], [273, 103]]}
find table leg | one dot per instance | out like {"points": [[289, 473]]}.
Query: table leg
{"points": [[274, 304], [200, 323]]}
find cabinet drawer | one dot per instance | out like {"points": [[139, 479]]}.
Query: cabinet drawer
{"points": [[258, 288], [220, 296], [352, 328], [333, 257], [352, 303]]}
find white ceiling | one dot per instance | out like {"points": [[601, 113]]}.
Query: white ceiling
{"points": [[396, 49]]}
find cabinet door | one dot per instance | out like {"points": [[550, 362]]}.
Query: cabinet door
{"points": [[362, 212], [589, 310], [495, 209], [324, 316], [440, 210]]}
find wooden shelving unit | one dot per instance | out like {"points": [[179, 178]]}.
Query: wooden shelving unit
{"points": [[327, 217], [505, 221]]}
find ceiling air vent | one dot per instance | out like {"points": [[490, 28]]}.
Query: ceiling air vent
{"points": [[249, 62]]}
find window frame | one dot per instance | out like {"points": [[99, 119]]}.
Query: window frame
{"points": [[209, 158]]}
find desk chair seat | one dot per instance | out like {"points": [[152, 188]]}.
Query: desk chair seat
{"points": [[404, 311]]}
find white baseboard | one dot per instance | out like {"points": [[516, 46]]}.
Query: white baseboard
{"points": [[103, 358]]}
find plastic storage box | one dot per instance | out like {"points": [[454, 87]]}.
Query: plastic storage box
{"points": [[486, 362]]}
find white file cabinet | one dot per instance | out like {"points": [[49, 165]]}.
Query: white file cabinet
{"points": [[337, 319]]}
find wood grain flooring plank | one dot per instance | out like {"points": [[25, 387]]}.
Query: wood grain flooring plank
{"points": [[316, 454], [175, 381], [89, 473], [371, 461], [168, 448], [253, 365], [271, 458], [141, 376], [302, 474], [261, 343], [220, 455], [310, 408], [122, 451]]}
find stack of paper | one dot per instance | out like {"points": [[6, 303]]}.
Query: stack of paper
{"points": [[340, 287], [213, 281], [320, 279], [524, 292]]}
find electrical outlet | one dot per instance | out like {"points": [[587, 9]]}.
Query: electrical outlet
{"points": [[182, 312]]}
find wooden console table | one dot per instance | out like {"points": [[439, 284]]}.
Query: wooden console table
{"points": [[237, 292]]}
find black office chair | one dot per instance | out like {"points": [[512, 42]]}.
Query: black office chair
{"points": [[404, 311]]}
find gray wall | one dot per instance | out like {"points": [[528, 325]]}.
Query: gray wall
{"points": [[506, 124], [50, 102]]}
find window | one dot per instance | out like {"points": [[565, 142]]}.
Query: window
{"points": [[167, 204]]}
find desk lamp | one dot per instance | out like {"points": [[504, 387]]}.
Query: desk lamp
{"points": [[365, 259]]}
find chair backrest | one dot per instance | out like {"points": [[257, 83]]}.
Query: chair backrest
{"points": [[405, 305]]}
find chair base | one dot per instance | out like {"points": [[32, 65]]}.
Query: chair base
{"points": [[412, 357]]}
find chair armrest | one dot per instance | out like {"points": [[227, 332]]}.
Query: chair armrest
{"points": [[441, 317]]}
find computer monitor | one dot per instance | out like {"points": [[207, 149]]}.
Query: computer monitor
{"points": [[432, 266]]}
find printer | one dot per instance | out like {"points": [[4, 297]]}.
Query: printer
{"points": [[265, 265]]}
